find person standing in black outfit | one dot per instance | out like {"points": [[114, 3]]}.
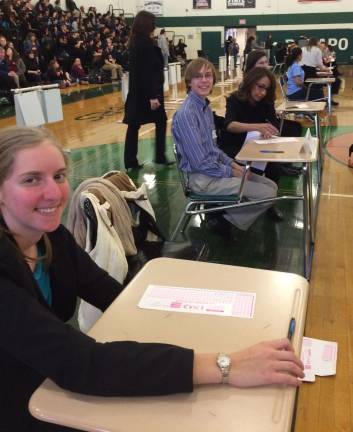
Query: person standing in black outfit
{"points": [[145, 100]]}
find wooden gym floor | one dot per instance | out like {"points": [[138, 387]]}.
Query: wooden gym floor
{"points": [[92, 132]]}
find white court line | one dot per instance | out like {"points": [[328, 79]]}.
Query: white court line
{"points": [[334, 195]]}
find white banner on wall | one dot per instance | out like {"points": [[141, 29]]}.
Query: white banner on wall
{"points": [[155, 7], [241, 4]]}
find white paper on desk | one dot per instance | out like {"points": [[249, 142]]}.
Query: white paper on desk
{"points": [[319, 358], [252, 136], [297, 105], [199, 301], [276, 140]]}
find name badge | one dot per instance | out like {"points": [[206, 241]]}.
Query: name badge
{"points": [[214, 134]]}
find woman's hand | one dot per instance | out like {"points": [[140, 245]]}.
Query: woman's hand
{"points": [[266, 363], [267, 130], [155, 104], [271, 362]]}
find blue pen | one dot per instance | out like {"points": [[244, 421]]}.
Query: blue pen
{"points": [[291, 329], [271, 151]]}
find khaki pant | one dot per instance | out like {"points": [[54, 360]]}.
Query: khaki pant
{"points": [[258, 187], [115, 69]]}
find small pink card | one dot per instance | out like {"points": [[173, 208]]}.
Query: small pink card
{"points": [[319, 358]]}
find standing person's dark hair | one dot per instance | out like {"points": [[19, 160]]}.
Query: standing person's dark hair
{"points": [[143, 26], [145, 100]]}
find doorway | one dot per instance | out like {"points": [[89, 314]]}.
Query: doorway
{"points": [[241, 35]]}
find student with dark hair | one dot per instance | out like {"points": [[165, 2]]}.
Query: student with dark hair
{"points": [[251, 109], [296, 88], [7, 81], [33, 71], [145, 100], [256, 58]]}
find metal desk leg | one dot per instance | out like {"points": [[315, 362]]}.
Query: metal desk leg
{"points": [[306, 222], [329, 98], [320, 156], [310, 203]]}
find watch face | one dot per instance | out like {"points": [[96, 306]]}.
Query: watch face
{"points": [[223, 361]]}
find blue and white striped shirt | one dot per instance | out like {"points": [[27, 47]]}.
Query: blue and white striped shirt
{"points": [[195, 138]]}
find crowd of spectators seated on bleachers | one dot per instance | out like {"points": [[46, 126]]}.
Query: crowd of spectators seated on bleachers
{"points": [[46, 42], [52, 43]]}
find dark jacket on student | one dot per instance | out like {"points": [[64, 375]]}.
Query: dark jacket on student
{"points": [[146, 79], [244, 112], [35, 342]]}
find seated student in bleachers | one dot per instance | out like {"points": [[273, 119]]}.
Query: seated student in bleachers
{"points": [[12, 66], [210, 171], [3, 42], [6, 80], [96, 51], [6, 76], [20, 65], [33, 71], [31, 42], [78, 73], [109, 61], [296, 88], [56, 75]]}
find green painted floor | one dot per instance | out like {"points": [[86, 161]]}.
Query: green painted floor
{"points": [[267, 244]]}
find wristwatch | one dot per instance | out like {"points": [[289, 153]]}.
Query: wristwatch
{"points": [[224, 363]]}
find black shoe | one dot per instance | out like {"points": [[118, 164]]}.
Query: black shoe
{"points": [[334, 103], [218, 225], [165, 162], [291, 171], [275, 213]]}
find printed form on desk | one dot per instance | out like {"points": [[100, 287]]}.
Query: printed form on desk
{"points": [[319, 358], [199, 301]]}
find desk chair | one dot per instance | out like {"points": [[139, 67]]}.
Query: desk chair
{"points": [[277, 65], [198, 204], [283, 86]]}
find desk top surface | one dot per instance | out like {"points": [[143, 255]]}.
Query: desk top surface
{"points": [[278, 151], [279, 296], [321, 80], [301, 106], [324, 73]]}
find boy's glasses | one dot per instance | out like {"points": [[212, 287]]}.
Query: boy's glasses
{"points": [[207, 75]]}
